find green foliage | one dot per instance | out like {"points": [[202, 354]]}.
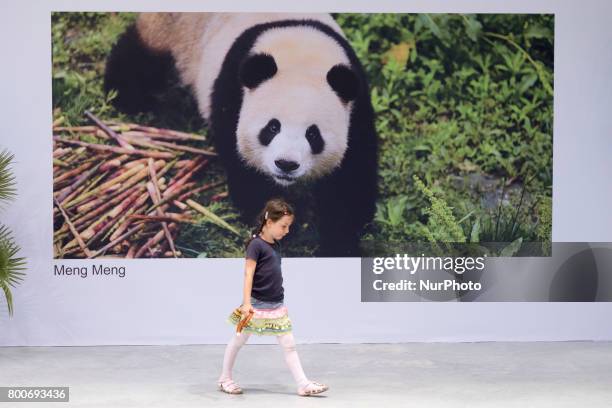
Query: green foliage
{"points": [[454, 95], [80, 45], [441, 225], [7, 180], [544, 228], [510, 222], [10, 264], [391, 218]]}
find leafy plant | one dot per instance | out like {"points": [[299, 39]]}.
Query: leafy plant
{"points": [[10, 264], [544, 228], [441, 225]]}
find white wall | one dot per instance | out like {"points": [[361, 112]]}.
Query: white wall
{"points": [[166, 301]]}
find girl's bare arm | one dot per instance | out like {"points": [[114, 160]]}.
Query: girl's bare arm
{"points": [[249, 271]]}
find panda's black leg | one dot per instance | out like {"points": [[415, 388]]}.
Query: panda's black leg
{"points": [[338, 237], [344, 204], [136, 73], [337, 226]]}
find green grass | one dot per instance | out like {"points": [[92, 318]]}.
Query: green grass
{"points": [[454, 95]]}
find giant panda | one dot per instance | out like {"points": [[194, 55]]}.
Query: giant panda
{"points": [[287, 105]]}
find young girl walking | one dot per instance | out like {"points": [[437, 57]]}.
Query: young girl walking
{"points": [[263, 295]]}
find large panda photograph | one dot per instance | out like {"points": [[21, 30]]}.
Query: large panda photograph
{"points": [[171, 131]]}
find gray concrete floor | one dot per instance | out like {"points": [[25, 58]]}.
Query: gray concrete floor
{"points": [[560, 374]]}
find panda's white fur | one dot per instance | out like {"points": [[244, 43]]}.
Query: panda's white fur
{"points": [[298, 96]]}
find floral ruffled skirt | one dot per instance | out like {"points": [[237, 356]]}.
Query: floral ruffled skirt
{"points": [[269, 319]]}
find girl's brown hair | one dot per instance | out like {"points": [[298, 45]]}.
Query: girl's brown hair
{"points": [[274, 210]]}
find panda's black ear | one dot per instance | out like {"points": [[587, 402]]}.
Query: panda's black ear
{"points": [[343, 81], [256, 69]]}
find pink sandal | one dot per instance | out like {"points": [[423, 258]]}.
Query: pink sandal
{"points": [[230, 387], [312, 388]]}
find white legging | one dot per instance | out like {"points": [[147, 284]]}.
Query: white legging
{"points": [[286, 341]]}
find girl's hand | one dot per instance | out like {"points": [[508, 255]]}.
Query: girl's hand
{"points": [[245, 309]]}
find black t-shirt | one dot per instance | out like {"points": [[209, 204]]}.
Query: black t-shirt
{"points": [[268, 278]]}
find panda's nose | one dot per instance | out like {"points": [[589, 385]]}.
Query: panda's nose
{"points": [[286, 165]]}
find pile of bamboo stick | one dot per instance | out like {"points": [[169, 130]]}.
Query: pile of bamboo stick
{"points": [[125, 198]]}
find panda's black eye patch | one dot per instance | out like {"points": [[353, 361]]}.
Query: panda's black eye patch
{"points": [[273, 126], [313, 135], [268, 132]]}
